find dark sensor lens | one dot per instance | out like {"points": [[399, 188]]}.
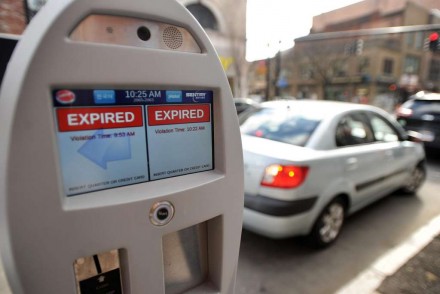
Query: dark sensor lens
{"points": [[144, 33], [162, 214]]}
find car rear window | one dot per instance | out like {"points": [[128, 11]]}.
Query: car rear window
{"points": [[423, 105], [279, 125]]}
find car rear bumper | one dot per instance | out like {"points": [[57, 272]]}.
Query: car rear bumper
{"points": [[276, 218], [277, 207], [430, 137], [430, 134], [277, 227]]}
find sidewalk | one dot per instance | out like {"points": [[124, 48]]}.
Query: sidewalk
{"points": [[421, 274], [413, 267]]}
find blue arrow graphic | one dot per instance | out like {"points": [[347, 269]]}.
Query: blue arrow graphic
{"points": [[101, 151]]}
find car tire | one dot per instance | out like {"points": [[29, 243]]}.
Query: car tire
{"points": [[416, 180], [328, 226]]}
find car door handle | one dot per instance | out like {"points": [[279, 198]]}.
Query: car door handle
{"points": [[352, 163]]}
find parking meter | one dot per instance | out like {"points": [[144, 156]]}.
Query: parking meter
{"points": [[121, 165]]}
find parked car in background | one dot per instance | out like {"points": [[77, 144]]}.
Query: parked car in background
{"points": [[243, 104], [309, 164], [421, 113]]}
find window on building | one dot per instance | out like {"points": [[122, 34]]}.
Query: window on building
{"points": [[434, 70], [204, 15], [363, 65], [419, 40], [306, 72], [412, 64], [409, 39], [340, 68], [388, 66]]}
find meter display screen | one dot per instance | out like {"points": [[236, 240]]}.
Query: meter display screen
{"points": [[112, 138]]}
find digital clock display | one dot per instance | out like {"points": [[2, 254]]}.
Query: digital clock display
{"points": [[112, 138], [136, 94]]}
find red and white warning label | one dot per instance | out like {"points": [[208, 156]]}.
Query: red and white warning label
{"points": [[94, 118], [179, 139], [178, 114]]}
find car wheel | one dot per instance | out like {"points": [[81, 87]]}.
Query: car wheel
{"points": [[328, 225], [416, 179]]}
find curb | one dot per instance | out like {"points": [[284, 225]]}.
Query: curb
{"points": [[370, 279]]}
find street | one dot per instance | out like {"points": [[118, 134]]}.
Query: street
{"points": [[288, 266], [131, 130]]}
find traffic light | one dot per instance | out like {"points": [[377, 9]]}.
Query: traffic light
{"points": [[359, 46], [355, 47], [349, 49], [434, 43]]}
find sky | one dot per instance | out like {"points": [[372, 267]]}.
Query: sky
{"points": [[272, 25]]}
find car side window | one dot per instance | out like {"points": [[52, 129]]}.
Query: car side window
{"points": [[353, 129], [382, 130]]}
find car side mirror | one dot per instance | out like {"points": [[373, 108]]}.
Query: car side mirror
{"points": [[414, 137]]}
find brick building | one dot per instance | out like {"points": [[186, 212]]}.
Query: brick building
{"points": [[225, 23], [374, 68], [374, 13], [12, 17], [226, 28]]}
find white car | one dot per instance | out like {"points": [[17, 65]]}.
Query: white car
{"points": [[309, 164]]}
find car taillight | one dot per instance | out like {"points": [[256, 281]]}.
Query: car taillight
{"points": [[284, 176], [404, 112]]}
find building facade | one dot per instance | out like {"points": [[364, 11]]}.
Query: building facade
{"points": [[223, 20], [225, 23], [12, 17], [376, 69]]}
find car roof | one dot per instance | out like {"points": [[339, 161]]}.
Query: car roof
{"points": [[319, 108], [246, 100], [422, 95], [327, 112]]}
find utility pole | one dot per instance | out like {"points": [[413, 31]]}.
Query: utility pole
{"points": [[277, 70], [268, 77]]}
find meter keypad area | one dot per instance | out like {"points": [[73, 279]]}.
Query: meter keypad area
{"points": [[121, 166]]}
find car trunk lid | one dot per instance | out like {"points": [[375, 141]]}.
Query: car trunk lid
{"points": [[259, 153]]}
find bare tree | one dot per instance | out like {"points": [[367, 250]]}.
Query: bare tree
{"points": [[237, 37], [325, 60]]}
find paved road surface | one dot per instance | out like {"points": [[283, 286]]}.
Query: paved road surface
{"points": [[288, 266]]}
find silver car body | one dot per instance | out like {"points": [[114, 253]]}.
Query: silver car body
{"points": [[361, 173]]}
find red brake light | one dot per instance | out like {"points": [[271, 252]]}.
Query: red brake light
{"points": [[404, 112], [433, 37], [259, 133], [285, 177]]}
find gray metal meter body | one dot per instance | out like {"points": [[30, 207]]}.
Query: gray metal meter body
{"points": [[120, 159]]}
